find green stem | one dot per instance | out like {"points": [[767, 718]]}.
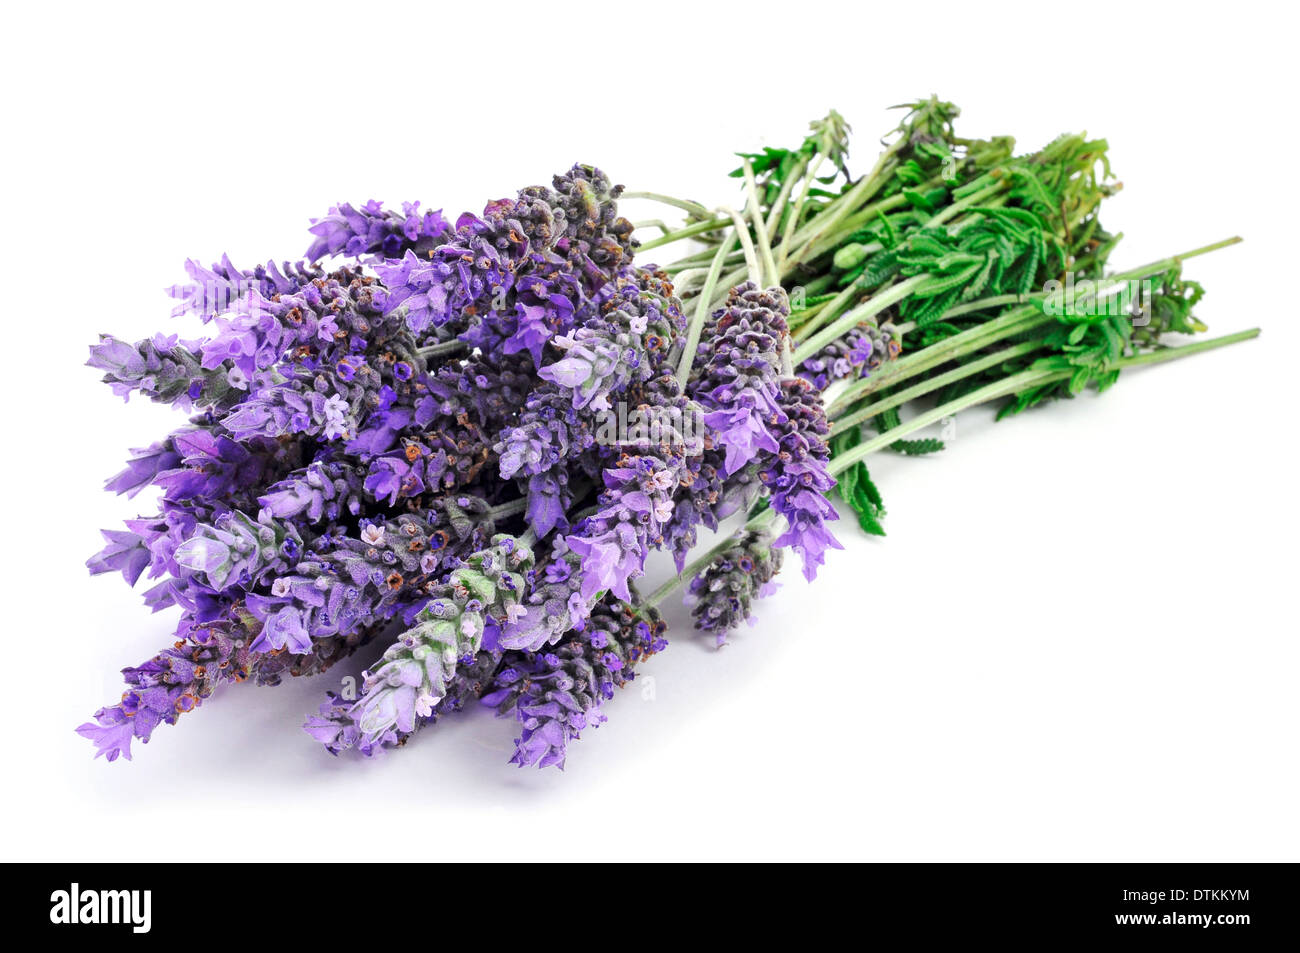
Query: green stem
{"points": [[820, 284], [863, 312], [694, 208], [508, 509], [797, 212], [682, 280], [700, 563], [996, 301], [774, 217], [826, 312], [446, 347], [702, 312], [1014, 321], [693, 260], [975, 198], [699, 228], [1160, 355], [1019, 382], [929, 385], [747, 245], [760, 227]]}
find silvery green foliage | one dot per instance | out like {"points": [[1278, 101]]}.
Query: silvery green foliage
{"points": [[238, 549], [165, 370]]}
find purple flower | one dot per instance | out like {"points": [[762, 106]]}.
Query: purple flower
{"points": [[111, 733], [743, 429], [219, 288], [320, 491], [283, 629], [419, 285], [611, 557], [541, 314], [549, 498], [373, 231], [144, 467], [126, 553]]}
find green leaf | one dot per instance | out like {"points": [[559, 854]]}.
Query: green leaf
{"points": [[477, 583], [917, 448], [917, 199], [856, 488]]}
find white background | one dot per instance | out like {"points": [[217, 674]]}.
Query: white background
{"points": [[1078, 640]]}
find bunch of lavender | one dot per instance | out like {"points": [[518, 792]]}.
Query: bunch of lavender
{"points": [[377, 445], [461, 439]]}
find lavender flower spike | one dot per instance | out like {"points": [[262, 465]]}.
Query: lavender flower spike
{"points": [[557, 693], [635, 508], [738, 379], [798, 478], [858, 354], [724, 592], [162, 368], [172, 683]]}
